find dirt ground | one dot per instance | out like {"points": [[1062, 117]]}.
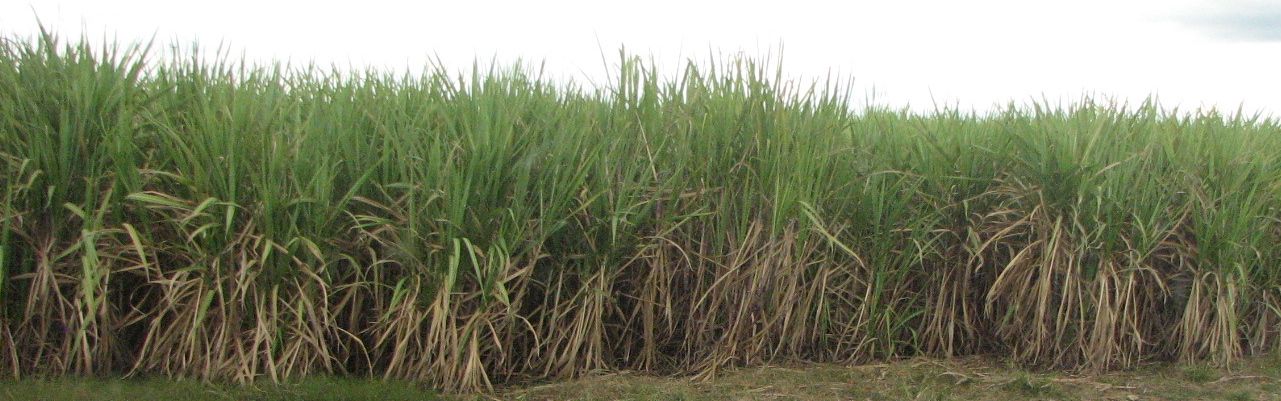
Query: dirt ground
{"points": [[973, 378]]}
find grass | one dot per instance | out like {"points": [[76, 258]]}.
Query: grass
{"points": [[1200, 374], [1032, 387], [198, 218], [311, 389]]}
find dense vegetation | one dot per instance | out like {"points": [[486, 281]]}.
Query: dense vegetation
{"points": [[202, 218]]}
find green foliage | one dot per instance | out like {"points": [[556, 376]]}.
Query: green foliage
{"points": [[202, 218]]}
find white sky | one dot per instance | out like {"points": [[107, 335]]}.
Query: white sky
{"points": [[1190, 53]]}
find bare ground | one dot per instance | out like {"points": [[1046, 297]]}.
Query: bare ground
{"points": [[973, 378]]}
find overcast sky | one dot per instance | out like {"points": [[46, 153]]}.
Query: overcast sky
{"points": [[1190, 53]]}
